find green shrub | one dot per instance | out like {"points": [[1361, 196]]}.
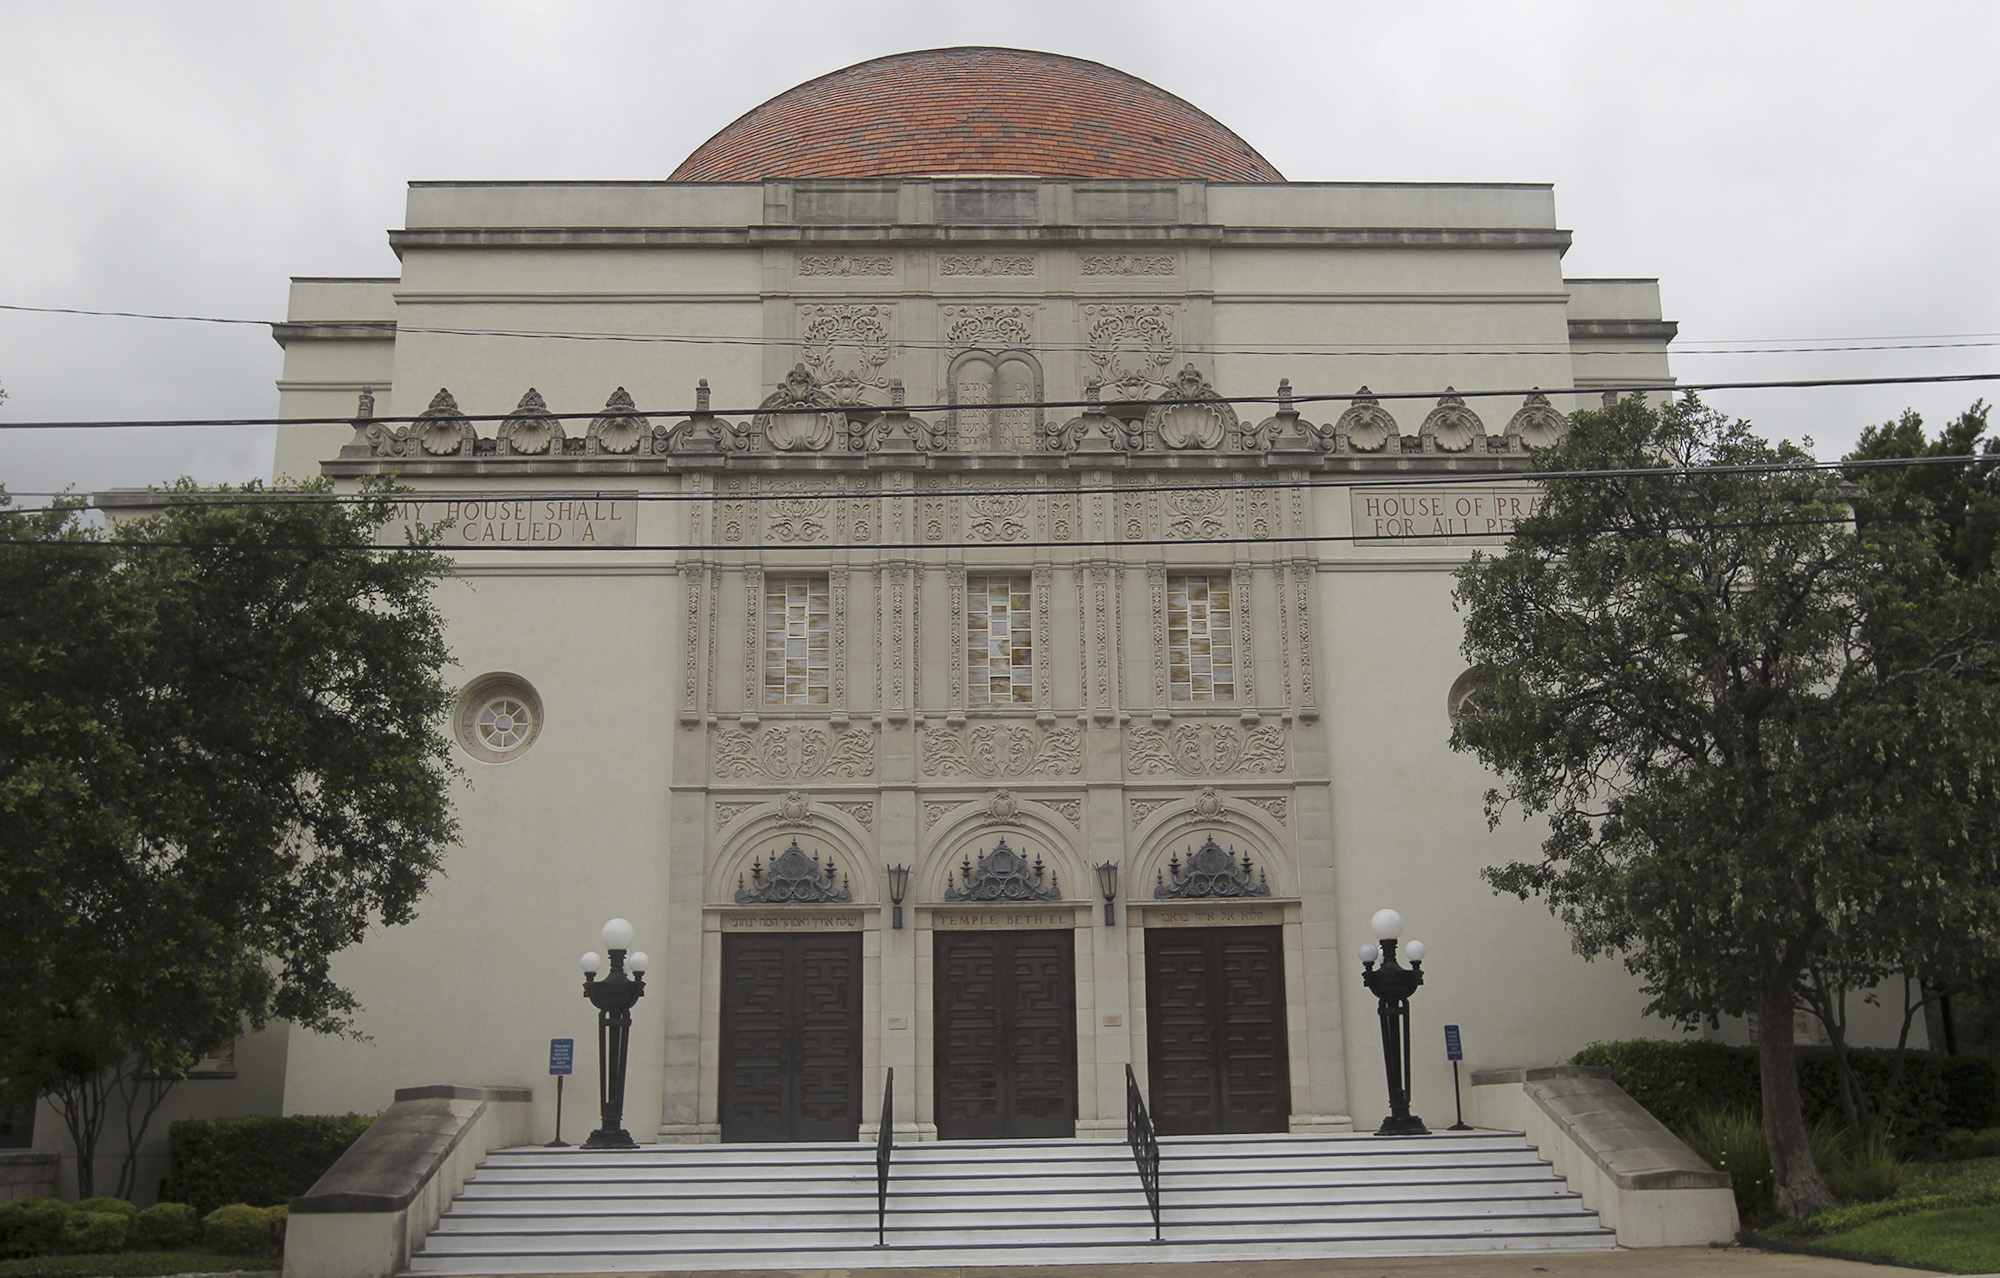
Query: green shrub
{"points": [[1861, 1171], [1680, 1079], [115, 1206], [242, 1230], [1733, 1141], [212, 1162], [1959, 1143], [167, 1225], [279, 1216], [95, 1231], [31, 1226]]}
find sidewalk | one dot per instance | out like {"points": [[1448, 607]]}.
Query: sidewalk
{"points": [[1650, 1262]]}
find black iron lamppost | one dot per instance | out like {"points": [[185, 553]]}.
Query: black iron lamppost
{"points": [[899, 884], [1392, 984], [613, 997], [1107, 883]]}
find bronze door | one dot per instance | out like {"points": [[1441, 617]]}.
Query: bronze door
{"points": [[791, 1036], [1006, 1035], [1215, 1030]]}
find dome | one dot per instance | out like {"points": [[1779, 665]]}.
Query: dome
{"points": [[981, 111]]}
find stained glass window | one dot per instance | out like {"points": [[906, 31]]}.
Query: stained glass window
{"points": [[1201, 650]]}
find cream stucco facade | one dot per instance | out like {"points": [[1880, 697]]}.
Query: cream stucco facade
{"points": [[661, 770]]}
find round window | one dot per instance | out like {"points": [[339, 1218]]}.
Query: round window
{"points": [[498, 717]]}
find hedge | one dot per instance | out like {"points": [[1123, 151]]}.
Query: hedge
{"points": [[264, 1162], [240, 1230], [1678, 1080]]}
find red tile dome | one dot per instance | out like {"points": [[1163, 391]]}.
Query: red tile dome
{"points": [[939, 112]]}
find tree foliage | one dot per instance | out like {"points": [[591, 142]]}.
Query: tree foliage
{"points": [[1762, 739], [221, 759]]}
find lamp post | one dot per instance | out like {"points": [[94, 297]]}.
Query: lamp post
{"points": [[1392, 984], [899, 884], [1107, 883], [613, 998]]}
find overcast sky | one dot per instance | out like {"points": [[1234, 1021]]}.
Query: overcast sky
{"points": [[1792, 172]]}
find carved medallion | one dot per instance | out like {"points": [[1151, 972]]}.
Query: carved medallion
{"points": [[847, 347], [1195, 515], [1209, 872], [793, 420], [1001, 875], [1131, 347], [794, 879]]}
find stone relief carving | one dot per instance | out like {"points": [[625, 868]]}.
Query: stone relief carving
{"points": [[846, 264], [1451, 427], [1143, 808], [1070, 810], [991, 328], [803, 513], [863, 814], [1366, 427], [439, 431], [727, 812], [800, 417], [1131, 346], [936, 812], [1208, 805], [1277, 806], [1127, 264], [986, 264], [847, 348], [794, 808], [793, 879], [1001, 808], [1195, 515], [933, 517], [1537, 424], [619, 428], [1001, 751], [733, 512], [1001, 875], [997, 517], [793, 752], [1062, 517], [1204, 748], [531, 430], [1209, 872]]}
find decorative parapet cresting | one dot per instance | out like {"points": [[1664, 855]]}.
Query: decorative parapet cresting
{"points": [[1001, 875], [1450, 427], [1209, 872], [793, 879]]}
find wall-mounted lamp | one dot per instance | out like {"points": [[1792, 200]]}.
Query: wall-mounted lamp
{"points": [[899, 884], [1107, 883]]}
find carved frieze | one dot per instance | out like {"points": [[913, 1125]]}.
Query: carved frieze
{"points": [[799, 513], [997, 517], [841, 264], [793, 879], [1195, 515], [793, 752], [1001, 751], [847, 348], [1127, 264], [1199, 748], [1001, 875], [986, 264], [991, 328], [1209, 872]]}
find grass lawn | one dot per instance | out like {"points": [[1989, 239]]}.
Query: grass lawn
{"points": [[1946, 1216], [133, 1264]]}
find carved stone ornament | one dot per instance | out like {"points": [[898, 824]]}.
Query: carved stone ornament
{"points": [[1196, 514], [1001, 807], [795, 808], [1451, 427], [1205, 421], [1209, 872], [1069, 436], [1001, 875], [847, 348], [619, 428], [801, 417], [792, 752], [443, 430], [531, 430], [1537, 424], [998, 751], [1208, 805], [1205, 749], [1366, 427], [1131, 347], [794, 879]]}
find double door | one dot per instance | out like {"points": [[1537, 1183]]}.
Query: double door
{"points": [[1005, 1051], [1216, 1050], [791, 1037]]}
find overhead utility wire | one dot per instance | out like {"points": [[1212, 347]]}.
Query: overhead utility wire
{"points": [[1100, 405], [171, 497], [387, 328], [1083, 546]]}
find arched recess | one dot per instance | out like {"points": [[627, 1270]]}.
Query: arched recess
{"points": [[973, 831], [766, 832], [1184, 826], [980, 385]]}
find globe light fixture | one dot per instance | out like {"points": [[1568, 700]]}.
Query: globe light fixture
{"points": [[613, 997], [1392, 984]]}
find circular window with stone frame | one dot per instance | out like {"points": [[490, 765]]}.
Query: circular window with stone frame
{"points": [[498, 717], [1467, 694]]}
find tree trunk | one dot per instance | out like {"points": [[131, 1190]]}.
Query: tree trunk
{"points": [[1800, 1190]]}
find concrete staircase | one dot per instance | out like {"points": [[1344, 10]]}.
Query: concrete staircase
{"points": [[955, 1203]]}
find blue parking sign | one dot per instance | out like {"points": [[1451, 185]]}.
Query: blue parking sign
{"points": [[561, 1052]]}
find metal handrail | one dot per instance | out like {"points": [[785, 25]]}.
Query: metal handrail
{"points": [[1145, 1145], [884, 1143]]}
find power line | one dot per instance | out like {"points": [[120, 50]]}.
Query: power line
{"points": [[393, 328], [1100, 406]]}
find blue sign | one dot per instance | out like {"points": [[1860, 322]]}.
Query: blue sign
{"points": [[561, 1052], [1453, 1049]]}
